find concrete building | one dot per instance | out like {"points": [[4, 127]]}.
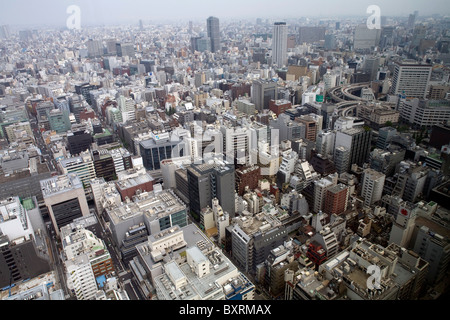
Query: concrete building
{"points": [[430, 241], [82, 165], [64, 198], [213, 32], [279, 44], [336, 199], [357, 140], [76, 241], [182, 263], [149, 213], [262, 92], [209, 181], [372, 186], [365, 38], [23, 253], [410, 80], [422, 112], [320, 187]]}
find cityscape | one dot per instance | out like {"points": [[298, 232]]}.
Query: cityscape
{"points": [[258, 151]]}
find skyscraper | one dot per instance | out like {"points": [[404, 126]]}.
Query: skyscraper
{"points": [[411, 79], [372, 186], [209, 181], [262, 93], [212, 26], [279, 44], [365, 38], [357, 141]]}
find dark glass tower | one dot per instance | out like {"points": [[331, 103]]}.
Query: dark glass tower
{"points": [[212, 26]]}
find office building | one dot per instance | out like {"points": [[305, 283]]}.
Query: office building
{"points": [[202, 273], [252, 240], [320, 188], [156, 149], [365, 38], [310, 34], [59, 121], [279, 260], [247, 178], [78, 141], [424, 112], [209, 181], [22, 248], [65, 199], [95, 48], [103, 164], [372, 186], [151, 212], [357, 140], [279, 44], [385, 136], [410, 80], [311, 127], [213, 32], [125, 49], [78, 240], [431, 242], [263, 92], [403, 225], [336, 199], [132, 181], [82, 165], [279, 106]]}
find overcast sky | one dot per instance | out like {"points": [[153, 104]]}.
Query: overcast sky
{"points": [[53, 12]]}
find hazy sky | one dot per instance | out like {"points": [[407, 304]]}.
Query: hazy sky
{"points": [[53, 12]]}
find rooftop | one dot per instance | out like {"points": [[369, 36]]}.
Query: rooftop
{"points": [[60, 184]]}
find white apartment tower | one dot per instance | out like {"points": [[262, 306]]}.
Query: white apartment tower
{"points": [[411, 79], [279, 44], [372, 186], [80, 277]]}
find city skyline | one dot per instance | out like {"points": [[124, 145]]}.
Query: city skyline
{"points": [[251, 151], [53, 13]]}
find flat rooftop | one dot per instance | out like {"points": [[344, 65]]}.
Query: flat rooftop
{"points": [[60, 184], [153, 204]]}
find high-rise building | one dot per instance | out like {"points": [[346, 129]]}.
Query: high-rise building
{"points": [[209, 181], [357, 140], [372, 186], [430, 242], [95, 48], [311, 34], [424, 112], [336, 199], [365, 38], [279, 44], [371, 65], [410, 79], [311, 128], [262, 93], [320, 188], [125, 49], [78, 141], [82, 165], [385, 135], [65, 199], [213, 29], [20, 257]]}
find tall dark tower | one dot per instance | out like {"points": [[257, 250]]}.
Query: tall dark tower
{"points": [[212, 26]]}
